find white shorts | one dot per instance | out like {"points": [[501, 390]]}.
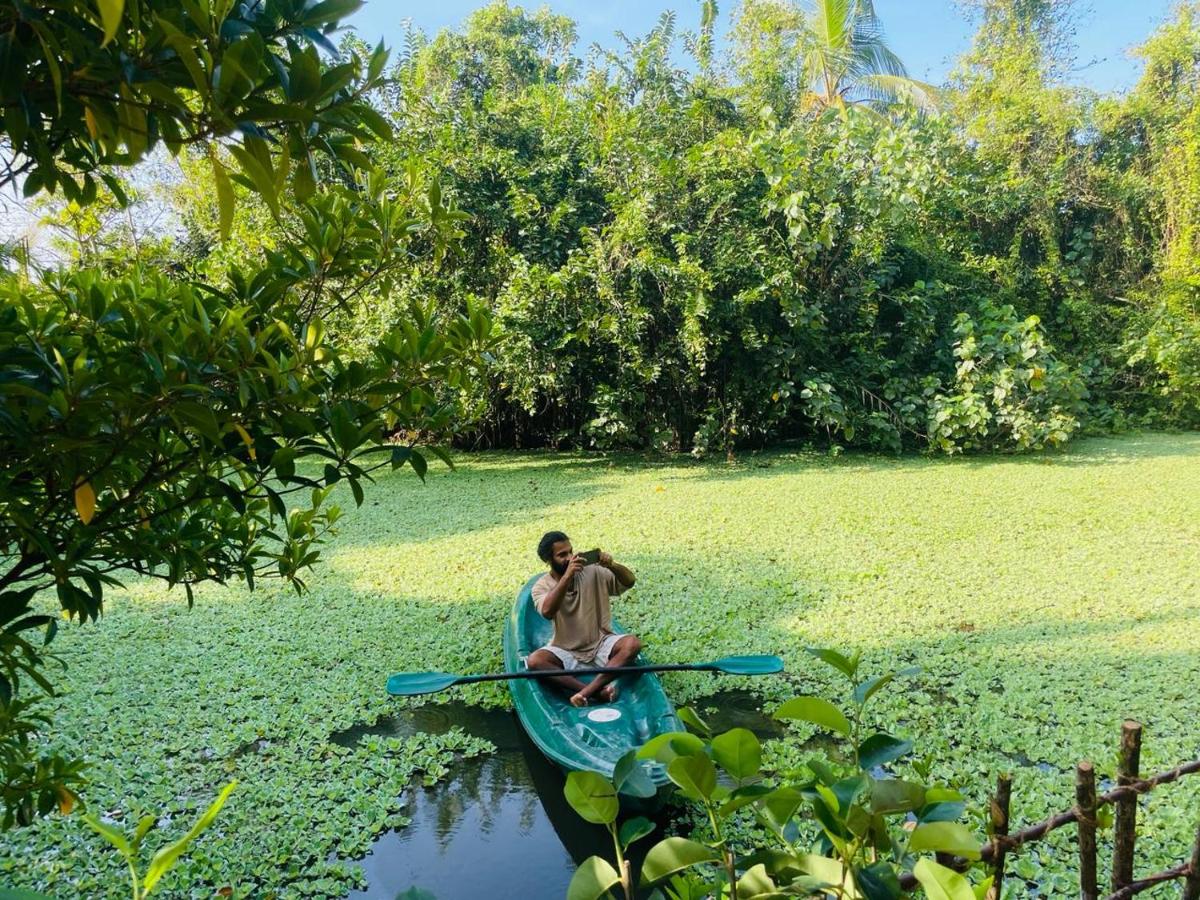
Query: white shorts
{"points": [[603, 652]]}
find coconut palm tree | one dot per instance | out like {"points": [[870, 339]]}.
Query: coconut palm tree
{"points": [[847, 64]]}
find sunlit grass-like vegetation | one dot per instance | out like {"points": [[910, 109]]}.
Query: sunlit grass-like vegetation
{"points": [[1047, 598]]}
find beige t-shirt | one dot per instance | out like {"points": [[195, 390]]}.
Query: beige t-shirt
{"points": [[584, 617]]}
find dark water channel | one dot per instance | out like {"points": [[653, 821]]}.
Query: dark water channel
{"points": [[498, 827]]}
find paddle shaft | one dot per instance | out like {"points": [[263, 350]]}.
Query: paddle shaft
{"points": [[617, 670], [409, 684]]}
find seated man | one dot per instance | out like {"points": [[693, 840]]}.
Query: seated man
{"points": [[574, 596]]}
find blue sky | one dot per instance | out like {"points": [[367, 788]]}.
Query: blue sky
{"points": [[928, 34]]}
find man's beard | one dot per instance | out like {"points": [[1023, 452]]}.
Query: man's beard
{"points": [[558, 568]]}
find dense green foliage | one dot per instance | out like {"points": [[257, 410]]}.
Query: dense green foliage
{"points": [[87, 85], [1044, 598], [728, 256], [153, 424], [841, 825], [794, 240]]}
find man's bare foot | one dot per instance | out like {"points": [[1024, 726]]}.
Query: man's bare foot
{"points": [[579, 699], [608, 693]]}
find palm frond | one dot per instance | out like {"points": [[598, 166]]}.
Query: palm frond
{"points": [[889, 89], [863, 110], [832, 22], [875, 58], [848, 61]]}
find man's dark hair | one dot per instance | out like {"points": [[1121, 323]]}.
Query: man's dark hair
{"points": [[546, 544]]}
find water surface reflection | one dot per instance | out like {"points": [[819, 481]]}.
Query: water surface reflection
{"points": [[499, 826]]}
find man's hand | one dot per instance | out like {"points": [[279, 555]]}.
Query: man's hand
{"points": [[573, 567], [624, 575]]}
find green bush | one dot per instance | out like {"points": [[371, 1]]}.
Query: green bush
{"points": [[1010, 391]]}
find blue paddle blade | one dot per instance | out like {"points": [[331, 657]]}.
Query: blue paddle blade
{"points": [[749, 665], [409, 684]]}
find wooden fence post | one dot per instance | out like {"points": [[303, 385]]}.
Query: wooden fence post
{"points": [[1000, 805], [1191, 886], [1085, 804], [1125, 817]]}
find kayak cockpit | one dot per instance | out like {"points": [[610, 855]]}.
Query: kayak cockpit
{"points": [[591, 738]]}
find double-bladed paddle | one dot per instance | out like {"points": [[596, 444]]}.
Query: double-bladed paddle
{"points": [[408, 684]]}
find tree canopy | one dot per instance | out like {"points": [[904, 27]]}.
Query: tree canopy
{"points": [[189, 428], [720, 257]]}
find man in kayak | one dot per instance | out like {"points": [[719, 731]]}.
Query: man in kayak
{"points": [[575, 596]]}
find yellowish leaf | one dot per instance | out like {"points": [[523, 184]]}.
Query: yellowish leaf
{"points": [[110, 17], [246, 439], [85, 501], [93, 126], [66, 800]]}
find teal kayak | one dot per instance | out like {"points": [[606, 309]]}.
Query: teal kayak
{"points": [[590, 738]]}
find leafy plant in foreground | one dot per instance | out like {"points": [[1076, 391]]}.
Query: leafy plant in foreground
{"points": [[165, 859], [154, 426], [130, 844], [595, 798], [870, 825]]}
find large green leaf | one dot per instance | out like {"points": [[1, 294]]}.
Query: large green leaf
{"points": [[634, 830], [665, 747], [630, 777], [225, 195], [891, 795], [941, 883], [113, 835], [738, 752], [754, 882], [816, 710], [878, 882], [847, 790], [830, 871], [744, 796], [944, 837], [165, 858], [592, 796], [941, 811], [695, 776], [879, 749], [592, 880], [781, 804], [848, 666], [673, 854], [692, 720]]}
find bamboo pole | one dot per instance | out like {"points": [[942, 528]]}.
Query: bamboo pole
{"points": [[1125, 816], [1191, 887], [1000, 804], [1085, 807], [1036, 832]]}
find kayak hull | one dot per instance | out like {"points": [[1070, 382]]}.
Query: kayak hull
{"points": [[595, 737]]}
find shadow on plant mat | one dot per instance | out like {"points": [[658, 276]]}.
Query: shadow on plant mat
{"points": [[499, 826]]}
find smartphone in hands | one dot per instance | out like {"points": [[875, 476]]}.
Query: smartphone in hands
{"points": [[591, 557]]}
